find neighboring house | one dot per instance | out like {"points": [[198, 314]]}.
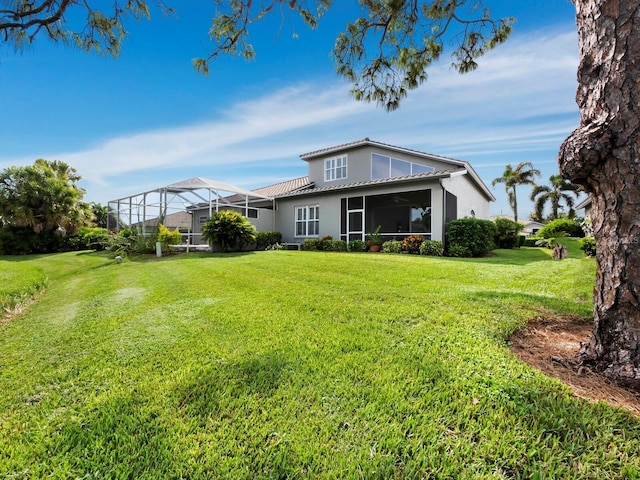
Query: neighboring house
{"points": [[586, 205], [180, 220], [531, 227], [352, 188]]}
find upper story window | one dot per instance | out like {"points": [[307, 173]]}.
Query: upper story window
{"points": [[389, 167], [335, 168]]}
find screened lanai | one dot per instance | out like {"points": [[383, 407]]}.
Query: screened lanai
{"points": [[172, 205]]}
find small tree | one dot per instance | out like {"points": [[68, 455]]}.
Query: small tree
{"points": [[229, 230], [507, 232]]}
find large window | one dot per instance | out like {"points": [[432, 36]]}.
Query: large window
{"points": [[335, 168], [400, 213], [388, 167], [307, 221]]}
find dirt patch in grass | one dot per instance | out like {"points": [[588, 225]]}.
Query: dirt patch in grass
{"points": [[547, 342]]}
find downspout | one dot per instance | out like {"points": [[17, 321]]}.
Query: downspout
{"points": [[273, 217]]}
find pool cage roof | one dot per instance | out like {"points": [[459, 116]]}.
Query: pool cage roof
{"points": [[169, 205]]}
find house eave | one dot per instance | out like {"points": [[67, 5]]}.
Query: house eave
{"points": [[421, 177]]}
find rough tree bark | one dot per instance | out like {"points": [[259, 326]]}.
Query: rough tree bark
{"points": [[604, 154]]}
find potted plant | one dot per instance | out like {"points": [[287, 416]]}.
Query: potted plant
{"points": [[374, 240]]}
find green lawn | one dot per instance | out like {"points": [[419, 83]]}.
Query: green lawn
{"points": [[297, 365]]}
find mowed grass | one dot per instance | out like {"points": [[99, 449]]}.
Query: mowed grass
{"points": [[299, 365]]}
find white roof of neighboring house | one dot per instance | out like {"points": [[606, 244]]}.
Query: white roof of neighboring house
{"points": [[586, 203]]}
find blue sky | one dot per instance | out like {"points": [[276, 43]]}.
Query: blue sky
{"points": [[147, 119]]}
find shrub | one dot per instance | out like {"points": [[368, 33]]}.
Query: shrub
{"points": [[548, 242], [531, 240], [311, 244], [94, 237], [433, 248], [23, 240], [229, 230], [411, 244], [521, 240], [588, 246], [167, 237], [325, 243], [507, 233], [474, 236], [264, 240], [561, 225], [338, 245], [392, 246], [357, 246], [458, 251]]}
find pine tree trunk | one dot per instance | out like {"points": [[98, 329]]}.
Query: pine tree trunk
{"points": [[604, 154]]}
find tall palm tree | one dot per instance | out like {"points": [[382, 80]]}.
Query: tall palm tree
{"points": [[554, 195], [523, 174]]}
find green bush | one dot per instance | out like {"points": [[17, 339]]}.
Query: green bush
{"points": [[507, 233], [588, 246], [561, 225], [325, 243], [311, 244], [531, 240], [265, 240], [458, 251], [357, 245], [472, 235], [411, 244], [93, 237], [23, 241], [338, 246], [432, 248], [229, 230], [521, 240], [392, 246]]}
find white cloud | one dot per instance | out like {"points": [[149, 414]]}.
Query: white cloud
{"points": [[519, 102]]}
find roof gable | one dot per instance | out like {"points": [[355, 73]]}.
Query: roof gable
{"points": [[366, 142]]}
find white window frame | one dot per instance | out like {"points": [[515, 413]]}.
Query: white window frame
{"points": [[390, 160], [335, 168], [202, 219], [308, 218]]}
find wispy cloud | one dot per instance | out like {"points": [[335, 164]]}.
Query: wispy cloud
{"points": [[520, 101]]}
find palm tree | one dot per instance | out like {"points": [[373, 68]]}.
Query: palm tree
{"points": [[523, 174], [554, 195]]}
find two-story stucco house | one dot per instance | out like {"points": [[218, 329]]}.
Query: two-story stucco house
{"points": [[352, 188]]}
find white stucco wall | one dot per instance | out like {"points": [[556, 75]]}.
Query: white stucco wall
{"points": [[470, 198]]}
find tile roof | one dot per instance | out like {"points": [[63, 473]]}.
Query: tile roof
{"points": [[283, 188], [367, 183]]}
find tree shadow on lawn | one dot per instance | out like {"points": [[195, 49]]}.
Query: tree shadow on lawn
{"points": [[517, 301], [518, 256], [208, 391]]}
